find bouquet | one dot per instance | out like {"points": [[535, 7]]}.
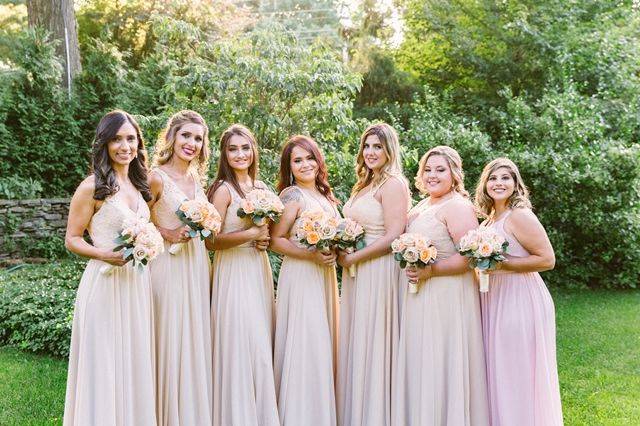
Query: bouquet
{"points": [[202, 219], [140, 240], [414, 250], [317, 229], [260, 205], [485, 248], [350, 237]]}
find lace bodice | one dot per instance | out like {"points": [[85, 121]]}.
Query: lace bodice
{"points": [[309, 203], [368, 212], [515, 248], [106, 223], [232, 222], [427, 223], [163, 212]]}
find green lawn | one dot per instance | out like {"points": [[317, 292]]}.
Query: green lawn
{"points": [[598, 356]]}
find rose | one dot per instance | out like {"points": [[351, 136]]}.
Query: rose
{"points": [[411, 255], [247, 206], [428, 254], [313, 237], [485, 249], [328, 232], [398, 246], [211, 223], [139, 253]]}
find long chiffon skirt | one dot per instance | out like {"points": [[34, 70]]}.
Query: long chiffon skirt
{"points": [[181, 297], [518, 319], [242, 326], [368, 338], [111, 361], [306, 343], [440, 373]]}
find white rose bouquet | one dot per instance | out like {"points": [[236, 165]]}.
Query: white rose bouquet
{"points": [[201, 217], [140, 240], [414, 250], [485, 248], [260, 205], [350, 237]]}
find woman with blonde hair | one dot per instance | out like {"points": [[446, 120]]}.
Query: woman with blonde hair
{"points": [[181, 281], [439, 377], [369, 304], [518, 316], [242, 300]]}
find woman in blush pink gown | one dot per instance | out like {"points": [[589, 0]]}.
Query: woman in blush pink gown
{"points": [[518, 315]]}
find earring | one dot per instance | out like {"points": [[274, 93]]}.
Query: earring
{"points": [[291, 178]]}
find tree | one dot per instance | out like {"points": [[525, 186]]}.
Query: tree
{"points": [[58, 17]]}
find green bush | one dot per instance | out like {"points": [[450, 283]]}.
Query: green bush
{"points": [[584, 185], [38, 135], [36, 306]]}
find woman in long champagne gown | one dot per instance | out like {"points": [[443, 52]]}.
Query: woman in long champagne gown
{"points": [[440, 373], [111, 360], [242, 296], [306, 336], [369, 306]]}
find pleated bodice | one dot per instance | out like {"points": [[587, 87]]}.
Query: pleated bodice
{"points": [[427, 224]]}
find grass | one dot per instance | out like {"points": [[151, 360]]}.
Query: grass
{"points": [[598, 358], [32, 388]]}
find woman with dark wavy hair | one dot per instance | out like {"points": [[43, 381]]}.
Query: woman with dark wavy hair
{"points": [[307, 305], [111, 360]]}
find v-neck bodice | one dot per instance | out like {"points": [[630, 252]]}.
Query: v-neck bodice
{"points": [[163, 212], [106, 223]]}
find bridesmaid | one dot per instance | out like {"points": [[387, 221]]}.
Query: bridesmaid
{"points": [[111, 361], [369, 307], [518, 316], [306, 310], [242, 302], [181, 282], [440, 372]]}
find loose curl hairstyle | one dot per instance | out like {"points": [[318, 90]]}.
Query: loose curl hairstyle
{"points": [[455, 165], [106, 183], [287, 179], [166, 141], [520, 196], [225, 171], [391, 145]]}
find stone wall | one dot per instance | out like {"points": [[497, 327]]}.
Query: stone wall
{"points": [[29, 220]]}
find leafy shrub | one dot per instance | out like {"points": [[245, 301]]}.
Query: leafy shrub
{"points": [[584, 185], [36, 306], [15, 188]]}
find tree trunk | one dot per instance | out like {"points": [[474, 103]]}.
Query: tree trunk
{"points": [[58, 17]]}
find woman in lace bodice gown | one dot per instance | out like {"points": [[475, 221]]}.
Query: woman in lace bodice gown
{"points": [[369, 306], [111, 360], [440, 372], [180, 281], [518, 316], [242, 295], [307, 305]]}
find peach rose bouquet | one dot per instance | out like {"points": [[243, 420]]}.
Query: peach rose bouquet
{"points": [[201, 217], [485, 248], [317, 229], [140, 240], [350, 237], [260, 205], [411, 249]]}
